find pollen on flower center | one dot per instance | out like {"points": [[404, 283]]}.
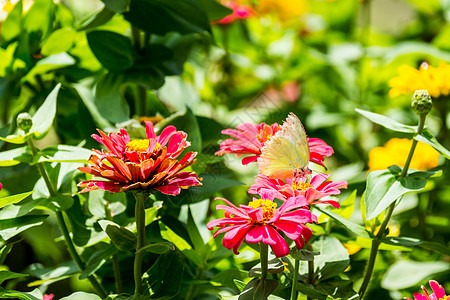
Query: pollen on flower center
{"points": [[267, 206], [300, 185], [263, 135], [140, 145]]}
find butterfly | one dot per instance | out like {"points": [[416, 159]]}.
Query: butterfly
{"points": [[286, 153]]}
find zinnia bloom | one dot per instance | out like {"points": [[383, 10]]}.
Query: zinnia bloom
{"points": [[240, 12], [438, 292], [409, 79], [261, 221], [142, 164], [248, 139], [312, 190], [395, 151]]}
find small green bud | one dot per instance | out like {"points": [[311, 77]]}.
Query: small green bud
{"points": [[421, 102], [24, 122]]}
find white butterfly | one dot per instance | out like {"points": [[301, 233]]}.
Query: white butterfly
{"points": [[286, 154]]}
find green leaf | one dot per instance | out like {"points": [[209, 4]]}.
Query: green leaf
{"points": [[193, 232], [404, 274], [5, 275], [303, 254], [121, 237], [109, 100], [14, 199], [183, 16], [118, 6], [428, 138], [411, 242], [88, 98], [215, 10], [53, 274], [33, 295], [15, 156], [12, 227], [44, 116], [48, 64], [258, 289], [62, 202], [113, 50], [384, 187], [60, 40], [38, 21], [97, 260], [355, 228], [164, 277], [151, 214], [64, 153], [239, 284], [98, 18], [157, 248], [82, 295], [274, 266], [12, 25], [386, 122]]}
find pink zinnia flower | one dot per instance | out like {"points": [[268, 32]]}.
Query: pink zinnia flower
{"points": [[48, 297], [1, 186], [250, 138], [261, 221], [312, 190], [143, 164], [240, 12], [438, 292]]}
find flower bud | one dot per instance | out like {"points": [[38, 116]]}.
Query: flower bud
{"points": [[421, 102], [24, 122]]}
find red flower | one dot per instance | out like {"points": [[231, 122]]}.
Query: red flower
{"points": [[240, 12], [250, 138], [313, 190], [48, 297], [1, 186], [261, 221], [144, 164], [438, 292]]}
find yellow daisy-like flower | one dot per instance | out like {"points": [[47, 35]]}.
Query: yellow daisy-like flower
{"points": [[396, 151], [409, 79], [286, 9]]}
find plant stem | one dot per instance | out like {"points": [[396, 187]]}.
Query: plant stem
{"points": [[310, 268], [380, 234], [140, 228], [62, 225], [294, 280], [263, 256], [115, 257]]}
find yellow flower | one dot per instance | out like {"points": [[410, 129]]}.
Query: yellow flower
{"points": [[285, 9], [409, 79], [396, 151]]}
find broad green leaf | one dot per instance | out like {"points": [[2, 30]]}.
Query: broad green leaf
{"points": [[5, 275], [15, 156], [274, 266], [12, 25], [44, 116], [386, 122], [404, 274], [12, 227], [303, 254], [11, 294], [108, 98], [13, 199], [118, 6], [215, 10], [113, 50], [18, 210], [164, 277], [38, 20], [88, 98], [411, 242], [157, 248], [183, 16], [428, 138], [62, 202], [60, 40], [353, 227], [48, 64], [121, 237], [64, 153], [258, 289], [421, 49], [239, 284], [98, 18], [384, 187], [97, 260], [151, 214], [53, 274], [193, 232], [82, 295]]}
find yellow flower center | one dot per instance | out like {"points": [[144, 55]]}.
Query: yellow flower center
{"points": [[445, 298], [263, 135], [267, 206], [140, 145], [300, 185]]}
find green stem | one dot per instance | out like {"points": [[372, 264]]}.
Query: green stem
{"points": [[115, 257], [140, 228], [62, 225], [310, 268], [294, 280], [380, 234], [264, 255]]}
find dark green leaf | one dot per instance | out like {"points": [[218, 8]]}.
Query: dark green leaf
{"points": [[428, 138], [215, 10], [113, 50], [258, 289], [411, 242], [303, 254], [193, 232], [183, 16], [88, 98], [52, 274], [386, 122], [5, 275], [38, 21], [333, 258], [11, 294], [121, 237], [15, 156], [158, 248], [97, 19], [13, 199], [62, 202], [355, 228], [12, 227], [118, 6], [109, 101], [64, 153], [97, 260], [274, 266]]}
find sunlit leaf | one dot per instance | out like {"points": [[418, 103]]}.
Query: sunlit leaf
{"points": [[386, 122]]}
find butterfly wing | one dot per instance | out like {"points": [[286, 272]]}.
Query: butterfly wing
{"points": [[286, 152]]}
